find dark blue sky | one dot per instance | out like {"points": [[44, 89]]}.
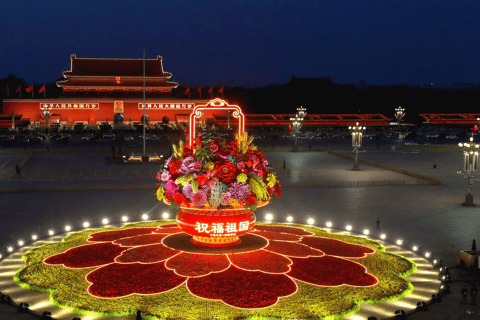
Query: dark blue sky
{"points": [[250, 43]]}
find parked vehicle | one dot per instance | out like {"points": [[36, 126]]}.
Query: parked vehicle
{"points": [[90, 137], [64, 138], [109, 135], [35, 138]]}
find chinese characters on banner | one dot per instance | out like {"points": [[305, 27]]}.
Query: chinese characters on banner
{"points": [[221, 229], [167, 105], [69, 105]]}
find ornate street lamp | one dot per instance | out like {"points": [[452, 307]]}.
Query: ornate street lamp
{"points": [[297, 123], [46, 112], [302, 112], [356, 131], [470, 164], [399, 114]]}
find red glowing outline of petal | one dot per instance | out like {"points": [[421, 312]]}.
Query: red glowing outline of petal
{"points": [[303, 229], [83, 245], [93, 241], [140, 245], [188, 277], [255, 233], [128, 295], [344, 284], [278, 298], [309, 256], [165, 261], [256, 270], [332, 255]]}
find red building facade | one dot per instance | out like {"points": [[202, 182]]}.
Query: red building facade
{"points": [[111, 90], [101, 90]]}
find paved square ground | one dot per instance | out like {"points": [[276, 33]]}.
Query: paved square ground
{"points": [[430, 216]]}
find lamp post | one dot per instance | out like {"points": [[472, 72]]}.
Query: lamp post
{"points": [[297, 123], [470, 164], [356, 131], [46, 113], [399, 114]]}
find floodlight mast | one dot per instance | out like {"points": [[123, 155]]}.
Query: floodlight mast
{"points": [[470, 164]]}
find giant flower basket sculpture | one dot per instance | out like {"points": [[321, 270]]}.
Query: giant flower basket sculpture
{"points": [[216, 184]]}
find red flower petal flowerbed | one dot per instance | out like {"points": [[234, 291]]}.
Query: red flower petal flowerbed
{"points": [[135, 261], [243, 289]]}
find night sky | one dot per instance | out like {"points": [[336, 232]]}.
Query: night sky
{"points": [[250, 43]]}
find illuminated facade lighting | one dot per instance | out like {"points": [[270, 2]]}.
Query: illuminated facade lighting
{"points": [[310, 221], [68, 228], [165, 215], [34, 237], [124, 218], [9, 249], [399, 242], [427, 254], [145, 216], [383, 236], [51, 232], [20, 243], [105, 221], [348, 227], [415, 248], [366, 232], [329, 224], [86, 224], [289, 218], [269, 217]]}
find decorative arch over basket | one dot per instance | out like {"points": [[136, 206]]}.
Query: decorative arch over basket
{"points": [[213, 105]]}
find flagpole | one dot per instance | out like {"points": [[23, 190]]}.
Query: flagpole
{"points": [[44, 92], [144, 148]]}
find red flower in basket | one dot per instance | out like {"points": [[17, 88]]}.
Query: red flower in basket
{"points": [[226, 171]]}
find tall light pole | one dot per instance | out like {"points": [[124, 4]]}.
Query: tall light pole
{"points": [[297, 123], [470, 164], [46, 113], [357, 135], [399, 114], [144, 155]]}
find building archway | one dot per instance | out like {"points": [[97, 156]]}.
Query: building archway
{"points": [[146, 119], [118, 118]]}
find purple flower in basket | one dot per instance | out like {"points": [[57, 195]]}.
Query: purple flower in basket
{"points": [[187, 191], [198, 198], [170, 188], [189, 165], [239, 191]]}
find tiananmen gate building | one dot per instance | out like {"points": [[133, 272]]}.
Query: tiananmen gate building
{"points": [[99, 90]]}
